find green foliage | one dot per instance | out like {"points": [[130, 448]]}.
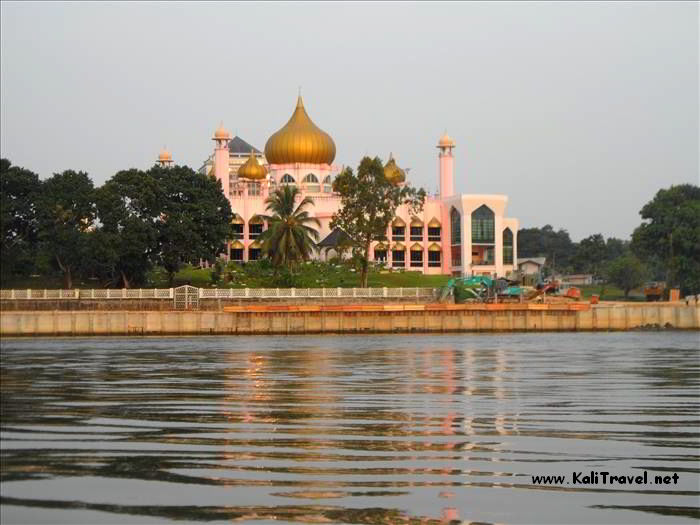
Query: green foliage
{"points": [[615, 248], [66, 213], [290, 236], [627, 272], [194, 219], [556, 246], [216, 272], [591, 255], [128, 207], [112, 235], [564, 256], [368, 204], [310, 274], [670, 235], [19, 190]]}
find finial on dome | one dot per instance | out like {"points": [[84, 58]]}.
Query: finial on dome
{"points": [[392, 172], [164, 157], [252, 169], [222, 133], [446, 141]]}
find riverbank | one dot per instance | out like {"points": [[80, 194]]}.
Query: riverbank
{"points": [[389, 318]]}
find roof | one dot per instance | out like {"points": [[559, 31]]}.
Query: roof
{"points": [[333, 239], [239, 146], [537, 260]]}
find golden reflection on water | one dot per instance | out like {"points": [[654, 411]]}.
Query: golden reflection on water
{"points": [[346, 430]]}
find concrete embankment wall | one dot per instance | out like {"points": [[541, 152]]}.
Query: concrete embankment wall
{"points": [[416, 318], [216, 305]]}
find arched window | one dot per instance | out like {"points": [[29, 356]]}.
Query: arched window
{"points": [[287, 179], [456, 227], [255, 227], [254, 188], [456, 237], [434, 231], [327, 185], [380, 253], [311, 183], [507, 246], [416, 229], [483, 225]]}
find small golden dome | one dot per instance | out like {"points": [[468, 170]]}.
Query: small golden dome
{"points": [[300, 140], [392, 172], [222, 133], [165, 156], [446, 142], [252, 169]]}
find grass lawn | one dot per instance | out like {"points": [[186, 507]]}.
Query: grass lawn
{"points": [[611, 293], [314, 274]]}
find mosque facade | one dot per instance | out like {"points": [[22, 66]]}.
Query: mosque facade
{"points": [[465, 234]]}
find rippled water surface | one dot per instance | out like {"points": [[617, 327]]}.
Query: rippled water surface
{"points": [[365, 429]]}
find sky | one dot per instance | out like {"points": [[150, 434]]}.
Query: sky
{"points": [[579, 112]]}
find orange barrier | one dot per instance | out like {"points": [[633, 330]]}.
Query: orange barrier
{"points": [[412, 307]]}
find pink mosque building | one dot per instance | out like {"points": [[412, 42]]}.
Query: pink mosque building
{"points": [[454, 234]]}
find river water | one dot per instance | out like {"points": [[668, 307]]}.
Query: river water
{"points": [[352, 429]]}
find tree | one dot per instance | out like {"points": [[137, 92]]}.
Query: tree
{"points": [[368, 204], [66, 212], [627, 272], [128, 206], [19, 191], [670, 234], [590, 255], [290, 236], [194, 220], [615, 248], [556, 246]]}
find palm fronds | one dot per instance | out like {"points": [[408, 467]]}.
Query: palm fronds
{"points": [[290, 236]]}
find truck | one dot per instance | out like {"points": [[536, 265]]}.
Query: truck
{"points": [[654, 290]]}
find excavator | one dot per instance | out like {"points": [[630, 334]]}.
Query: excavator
{"points": [[483, 289]]}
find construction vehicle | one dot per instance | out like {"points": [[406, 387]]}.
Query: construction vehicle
{"points": [[484, 289], [654, 290]]}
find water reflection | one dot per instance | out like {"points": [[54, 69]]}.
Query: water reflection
{"points": [[381, 429]]}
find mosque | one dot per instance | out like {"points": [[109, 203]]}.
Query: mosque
{"points": [[454, 234]]}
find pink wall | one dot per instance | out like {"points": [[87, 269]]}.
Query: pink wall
{"points": [[221, 162]]}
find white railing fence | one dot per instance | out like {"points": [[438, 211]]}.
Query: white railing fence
{"points": [[300, 293], [219, 293]]}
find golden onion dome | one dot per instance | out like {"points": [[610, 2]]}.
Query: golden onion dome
{"points": [[222, 133], [392, 172], [164, 156], [300, 140], [252, 169], [446, 142]]}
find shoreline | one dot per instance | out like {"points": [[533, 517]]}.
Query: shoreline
{"points": [[354, 319]]}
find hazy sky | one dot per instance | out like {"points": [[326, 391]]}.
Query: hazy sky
{"points": [[580, 112]]}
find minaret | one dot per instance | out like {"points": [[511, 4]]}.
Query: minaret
{"points": [[447, 162], [221, 138], [165, 159]]}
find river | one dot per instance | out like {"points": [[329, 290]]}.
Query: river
{"points": [[435, 429]]}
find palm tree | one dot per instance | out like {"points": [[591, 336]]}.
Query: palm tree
{"points": [[289, 237]]}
